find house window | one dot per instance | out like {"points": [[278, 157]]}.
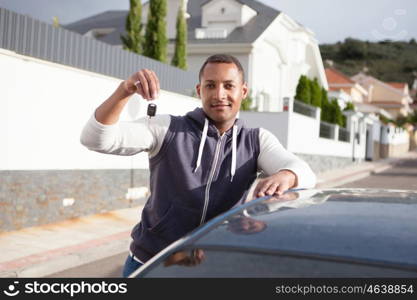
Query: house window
{"points": [[223, 10]]}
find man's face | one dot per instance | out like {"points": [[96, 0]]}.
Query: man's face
{"points": [[245, 225], [221, 90]]}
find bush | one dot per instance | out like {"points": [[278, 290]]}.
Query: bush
{"points": [[247, 103], [303, 92], [349, 106], [332, 113], [324, 116], [385, 120], [336, 113], [315, 93], [317, 96], [353, 49]]}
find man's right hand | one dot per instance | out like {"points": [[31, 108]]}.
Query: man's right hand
{"points": [[144, 82]]}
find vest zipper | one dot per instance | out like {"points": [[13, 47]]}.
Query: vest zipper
{"points": [[213, 170]]}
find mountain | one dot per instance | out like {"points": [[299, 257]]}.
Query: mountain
{"points": [[386, 60]]}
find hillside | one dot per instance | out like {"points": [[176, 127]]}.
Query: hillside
{"points": [[385, 60]]}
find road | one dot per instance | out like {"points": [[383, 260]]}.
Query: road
{"points": [[402, 176], [109, 267]]}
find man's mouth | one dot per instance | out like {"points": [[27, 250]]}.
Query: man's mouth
{"points": [[220, 105]]}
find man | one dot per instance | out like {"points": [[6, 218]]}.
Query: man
{"points": [[201, 164]]}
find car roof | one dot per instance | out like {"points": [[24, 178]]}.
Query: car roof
{"points": [[371, 226], [365, 226]]}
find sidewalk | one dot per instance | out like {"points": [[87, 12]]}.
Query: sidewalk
{"points": [[43, 250]]}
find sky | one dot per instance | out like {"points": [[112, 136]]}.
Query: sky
{"points": [[330, 20]]}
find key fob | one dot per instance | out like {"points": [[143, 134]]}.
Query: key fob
{"points": [[151, 109]]}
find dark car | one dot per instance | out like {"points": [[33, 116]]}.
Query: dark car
{"points": [[304, 233]]}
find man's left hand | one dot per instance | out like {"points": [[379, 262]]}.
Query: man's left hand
{"points": [[275, 184]]}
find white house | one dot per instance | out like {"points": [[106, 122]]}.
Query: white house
{"points": [[274, 49]]}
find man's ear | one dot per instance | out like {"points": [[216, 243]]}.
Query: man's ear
{"points": [[245, 90], [198, 88]]}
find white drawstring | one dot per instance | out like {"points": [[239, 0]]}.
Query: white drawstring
{"points": [[202, 142], [234, 137]]}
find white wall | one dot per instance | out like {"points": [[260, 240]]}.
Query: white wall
{"points": [[267, 78], [394, 136], [300, 134], [44, 106], [277, 123]]}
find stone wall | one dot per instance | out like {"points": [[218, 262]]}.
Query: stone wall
{"points": [[30, 198], [321, 163]]}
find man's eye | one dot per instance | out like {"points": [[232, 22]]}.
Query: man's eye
{"points": [[229, 86], [210, 85]]}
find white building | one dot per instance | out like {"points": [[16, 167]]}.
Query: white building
{"points": [[274, 49]]}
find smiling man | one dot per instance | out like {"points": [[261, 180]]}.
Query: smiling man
{"points": [[201, 164]]}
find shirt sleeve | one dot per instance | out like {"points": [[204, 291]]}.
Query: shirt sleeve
{"points": [[273, 157], [126, 138]]}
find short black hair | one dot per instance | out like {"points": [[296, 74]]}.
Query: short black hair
{"points": [[222, 58]]}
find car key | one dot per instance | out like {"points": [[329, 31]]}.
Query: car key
{"points": [[151, 106], [151, 110]]}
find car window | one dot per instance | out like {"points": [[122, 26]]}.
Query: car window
{"points": [[228, 263]]}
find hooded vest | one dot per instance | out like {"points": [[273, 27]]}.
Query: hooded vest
{"points": [[196, 175]]}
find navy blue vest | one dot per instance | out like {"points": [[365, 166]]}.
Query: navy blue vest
{"points": [[180, 199]]}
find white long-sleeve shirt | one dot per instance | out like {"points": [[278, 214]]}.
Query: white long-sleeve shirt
{"points": [[144, 134]]}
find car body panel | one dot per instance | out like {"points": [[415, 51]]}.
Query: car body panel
{"points": [[376, 228]]}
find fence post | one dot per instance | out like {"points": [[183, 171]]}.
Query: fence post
{"points": [[288, 104], [318, 113], [336, 132]]}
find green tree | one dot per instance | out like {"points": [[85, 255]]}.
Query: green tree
{"points": [[413, 117], [325, 106], [132, 41], [247, 103], [349, 106], [315, 93], [303, 90], [353, 49], [401, 120], [156, 41], [336, 116], [385, 120], [180, 55]]}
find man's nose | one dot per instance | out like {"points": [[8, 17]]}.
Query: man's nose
{"points": [[220, 93]]}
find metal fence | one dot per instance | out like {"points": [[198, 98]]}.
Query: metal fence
{"points": [[304, 109], [326, 130], [344, 135], [27, 36]]}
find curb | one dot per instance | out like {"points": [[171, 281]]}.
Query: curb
{"points": [[354, 176], [57, 260], [74, 253]]}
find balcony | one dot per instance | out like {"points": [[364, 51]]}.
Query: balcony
{"points": [[210, 33]]}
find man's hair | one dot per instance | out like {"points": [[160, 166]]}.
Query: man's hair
{"points": [[225, 59]]}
